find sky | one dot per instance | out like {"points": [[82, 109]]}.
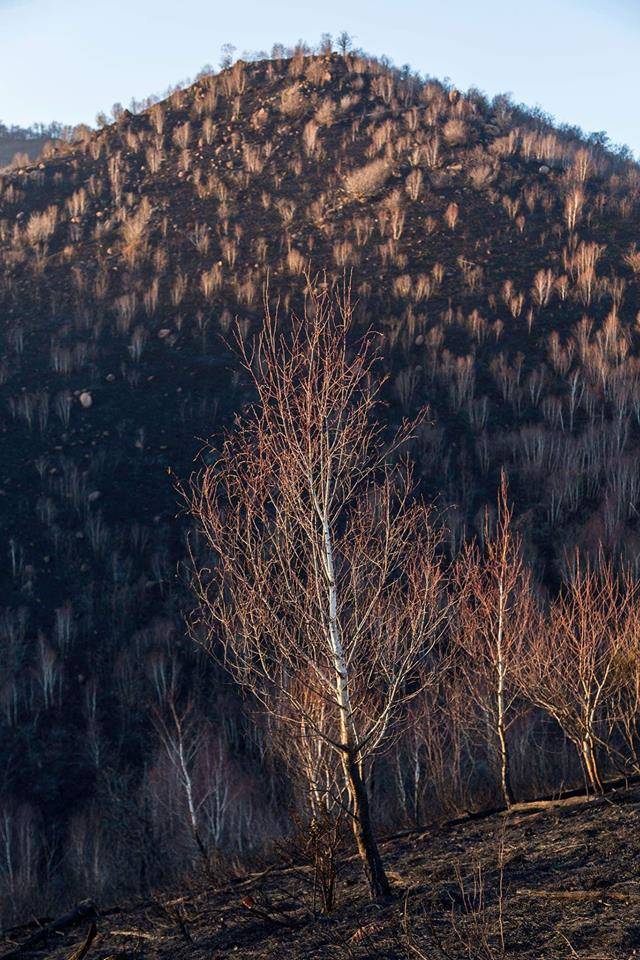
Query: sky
{"points": [[579, 60]]}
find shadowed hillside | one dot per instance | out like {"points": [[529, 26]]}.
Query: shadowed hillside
{"points": [[496, 256], [551, 879]]}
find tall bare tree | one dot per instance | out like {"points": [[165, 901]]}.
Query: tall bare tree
{"points": [[324, 588], [495, 612]]}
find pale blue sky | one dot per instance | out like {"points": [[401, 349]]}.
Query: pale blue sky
{"points": [[578, 59]]}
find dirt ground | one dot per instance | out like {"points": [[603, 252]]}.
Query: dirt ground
{"points": [[553, 879]]}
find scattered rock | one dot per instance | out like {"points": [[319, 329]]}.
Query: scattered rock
{"points": [[165, 332], [544, 169], [110, 377], [86, 400]]}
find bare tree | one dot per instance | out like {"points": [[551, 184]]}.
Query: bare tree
{"points": [[432, 751], [182, 740], [494, 613], [571, 667], [344, 42], [324, 576], [624, 734]]}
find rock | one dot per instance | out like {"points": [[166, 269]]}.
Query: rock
{"points": [[165, 332], [93, 496], [110, 377], [86, 400], [544, 169]]}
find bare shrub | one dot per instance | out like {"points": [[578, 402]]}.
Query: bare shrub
{"points": [[40, 226], [182, 135], [310, 137], [293, 101], [413, 184], [368, 180], [451, 215], [455, 132], [135, 233]]}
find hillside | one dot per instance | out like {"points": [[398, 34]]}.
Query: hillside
{"points": [[26, 144], [496, 256], [10, 146], [559, 877]]}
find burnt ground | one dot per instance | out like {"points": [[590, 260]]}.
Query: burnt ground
{"points": [[560, 878]]}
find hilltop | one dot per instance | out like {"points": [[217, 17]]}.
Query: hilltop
{"points": [[495, 254]]}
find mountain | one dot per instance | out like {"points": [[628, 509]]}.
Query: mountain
{"points": [[495, 254]]}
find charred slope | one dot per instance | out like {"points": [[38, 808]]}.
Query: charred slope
{"points": [[546, 879], [495, 254]]}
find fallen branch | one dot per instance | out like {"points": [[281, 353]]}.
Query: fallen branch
{"points": [[135, 934], [267, 914], [82, 951], [577, 894]]}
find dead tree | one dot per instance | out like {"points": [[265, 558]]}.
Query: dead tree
{"points": [[494, 613], [571, 665], [182, 739], [323, 574]]}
